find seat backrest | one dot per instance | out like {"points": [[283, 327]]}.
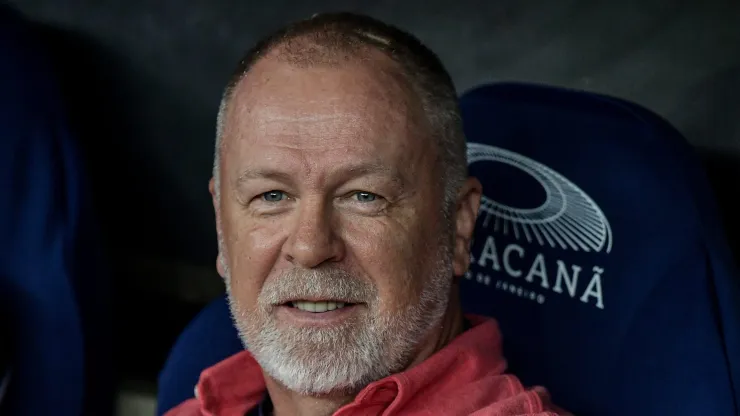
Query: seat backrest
{"points": [[54, 296], [599, 251]]}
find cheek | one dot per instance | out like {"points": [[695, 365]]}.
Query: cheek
{"points": [[252, 251], [393, 255]]}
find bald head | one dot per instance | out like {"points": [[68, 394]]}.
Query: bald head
{"points": [[335, 40], [276, 92]]}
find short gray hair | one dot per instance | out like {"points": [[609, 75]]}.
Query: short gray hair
{"points": [[326, 37]]}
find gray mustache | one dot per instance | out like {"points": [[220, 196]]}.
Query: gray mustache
{"points": [[330, 283]]}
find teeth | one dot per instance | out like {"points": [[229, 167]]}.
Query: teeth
{"points": [[317, 307]]}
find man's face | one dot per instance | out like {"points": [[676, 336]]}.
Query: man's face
{"points": [[337, 256]]}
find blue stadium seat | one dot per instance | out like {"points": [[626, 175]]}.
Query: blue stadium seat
{"points": [[209, 338], [600, 252], [598, 249], [54, 296]]}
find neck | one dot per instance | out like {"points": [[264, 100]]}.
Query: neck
{"points": [[449, 328], [286, 402]]}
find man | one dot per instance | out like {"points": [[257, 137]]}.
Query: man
{"points": [[344, 215]]}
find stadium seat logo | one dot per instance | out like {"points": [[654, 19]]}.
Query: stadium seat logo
{"points": [[567, 220]]}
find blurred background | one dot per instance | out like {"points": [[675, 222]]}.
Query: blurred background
{"points": [[142, 81]]}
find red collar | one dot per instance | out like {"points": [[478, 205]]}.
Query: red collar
{"points": [[471, 365]]}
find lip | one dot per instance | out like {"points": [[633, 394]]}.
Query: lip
{"points": [[317, 299], [296, 317]]}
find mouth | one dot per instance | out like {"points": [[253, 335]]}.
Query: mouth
{"points": [[317, 312], [320, 306]]}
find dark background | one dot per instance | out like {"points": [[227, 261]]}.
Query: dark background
{"points": [[143, 80]]}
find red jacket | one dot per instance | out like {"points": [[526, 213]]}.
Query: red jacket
{"points": [[464, 378]]}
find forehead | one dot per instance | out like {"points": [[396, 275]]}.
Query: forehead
{"points": [[364, 106]]}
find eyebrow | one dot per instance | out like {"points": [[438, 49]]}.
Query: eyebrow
{"points": [[251, 174]]}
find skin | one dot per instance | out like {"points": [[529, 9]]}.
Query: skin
{"points": [[348, 149]]}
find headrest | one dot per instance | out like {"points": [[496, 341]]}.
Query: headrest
{"points": [[598, 250]]}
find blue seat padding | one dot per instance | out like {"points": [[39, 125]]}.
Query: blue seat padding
{"points": [[209, 338], [599, 250], [54, 298]]}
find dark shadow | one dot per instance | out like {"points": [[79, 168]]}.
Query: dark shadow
{"points": [[100, 91], [709, 116], [724, 173]]}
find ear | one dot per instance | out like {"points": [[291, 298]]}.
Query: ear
{"points": [[220, 260], [212, 190], [468, 203]]}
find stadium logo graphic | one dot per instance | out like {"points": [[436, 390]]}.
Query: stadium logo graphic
{"points": [[568, 220]]}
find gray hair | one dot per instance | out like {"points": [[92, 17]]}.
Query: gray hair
{"points": [[328, 38]]}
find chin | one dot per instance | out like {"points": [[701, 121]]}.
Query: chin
{"points": [[325, 361]]}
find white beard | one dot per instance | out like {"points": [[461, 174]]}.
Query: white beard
{"points": [[345, 358]]}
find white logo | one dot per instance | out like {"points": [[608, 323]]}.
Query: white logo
{"points": [[568, 219]]}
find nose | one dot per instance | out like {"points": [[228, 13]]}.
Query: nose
{"points": [[313, 240]]}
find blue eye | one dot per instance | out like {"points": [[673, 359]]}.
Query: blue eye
{"points": [[273, 196], [365, 197]]}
